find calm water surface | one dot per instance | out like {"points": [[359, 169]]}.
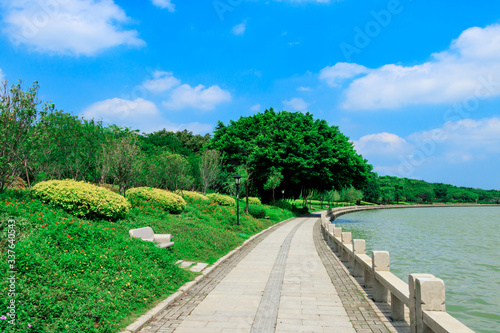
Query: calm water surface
{"points": [[460, 245]]}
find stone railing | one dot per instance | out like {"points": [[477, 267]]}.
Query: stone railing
{"points": [[424, 295]]}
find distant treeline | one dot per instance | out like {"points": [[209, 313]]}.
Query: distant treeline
{"points": [[387, 189]]}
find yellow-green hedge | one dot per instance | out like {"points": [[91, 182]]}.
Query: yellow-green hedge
{"points": [[191, 195], [83, 199], [254, 201], [168, 201], [221, 199]]}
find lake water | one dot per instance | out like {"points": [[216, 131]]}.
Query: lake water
{"points": [[460, 245]]}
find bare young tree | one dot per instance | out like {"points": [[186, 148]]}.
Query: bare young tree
{"points": [[210, 167], [121, 159], [18, 112]]}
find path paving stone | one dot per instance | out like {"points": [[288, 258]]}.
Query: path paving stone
{"points": [[198, 267], [285, 280]]}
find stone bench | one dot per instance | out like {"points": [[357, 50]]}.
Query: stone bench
{"points": [[147, 234]]}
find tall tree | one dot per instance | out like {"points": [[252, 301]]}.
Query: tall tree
{"points": [[310, 153]]}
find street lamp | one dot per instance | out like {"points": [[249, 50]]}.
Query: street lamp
{"points": [[283, 196], [237, 179]]}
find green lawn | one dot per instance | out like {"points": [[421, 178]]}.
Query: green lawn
{"points": [[69, 269]]}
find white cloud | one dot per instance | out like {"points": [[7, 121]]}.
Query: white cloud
{"points": [[122, 112], [296, 104], [451, 76], [162, 81], [303, 88], [239, 29], [455, 143], [255, 107], [138, 114], [2, 75], [75, 27], [198, 97], [341, 71], [382, 144], [467, 138], [164, 4]]}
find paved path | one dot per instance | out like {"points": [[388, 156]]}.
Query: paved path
{"points": [[286, 280]]}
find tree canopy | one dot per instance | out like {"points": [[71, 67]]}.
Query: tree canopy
{"points": [[309, 153]]}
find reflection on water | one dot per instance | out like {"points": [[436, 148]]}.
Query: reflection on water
{"points": [[459, 245]]}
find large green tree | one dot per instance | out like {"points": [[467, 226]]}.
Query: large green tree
{"points": [[310, 153]]}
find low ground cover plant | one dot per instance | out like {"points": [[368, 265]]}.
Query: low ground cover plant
{"points": [[168, 201], [221, 199], [69, 269], [82, 199]]}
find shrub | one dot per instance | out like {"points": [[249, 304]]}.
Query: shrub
{"points": [[168, 201], [192, 196], [221, 199], [254, 201], [17, 182], [257, 212], [82, 199]]}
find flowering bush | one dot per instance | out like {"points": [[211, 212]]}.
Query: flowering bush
{"points": [[82, 199], [191, 195], [221, 199], [254, 201], [168, 201]]}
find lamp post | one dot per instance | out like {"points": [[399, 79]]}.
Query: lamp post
{"points": [[283, 198], [237, 179]]}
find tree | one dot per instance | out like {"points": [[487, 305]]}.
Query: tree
{"points": [[18, 112], [371, 190], [335, 195], [273, 181], [310, 153], [210, 167], [121, 158], [352, 195], [398, 192], [63, 146], [178, 173]]}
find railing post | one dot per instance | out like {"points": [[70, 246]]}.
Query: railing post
{"points": [[380, 262], [413, 310], [330, 234], [337, 232], [346, 239], [358, 247], [429, 296], [397, 309]]}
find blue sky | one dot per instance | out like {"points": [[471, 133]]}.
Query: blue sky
{"points": [[414, 84]]}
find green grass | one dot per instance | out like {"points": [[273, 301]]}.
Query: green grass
{"points": [[316, 204], [69, 268]]}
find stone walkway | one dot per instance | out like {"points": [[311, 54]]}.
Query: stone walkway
{"points": [[286, 280]]}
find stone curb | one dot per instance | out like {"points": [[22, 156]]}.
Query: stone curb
{"points": [[140, 322]]}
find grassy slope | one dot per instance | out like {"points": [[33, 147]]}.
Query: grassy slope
{"points": [[69, 268]]}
